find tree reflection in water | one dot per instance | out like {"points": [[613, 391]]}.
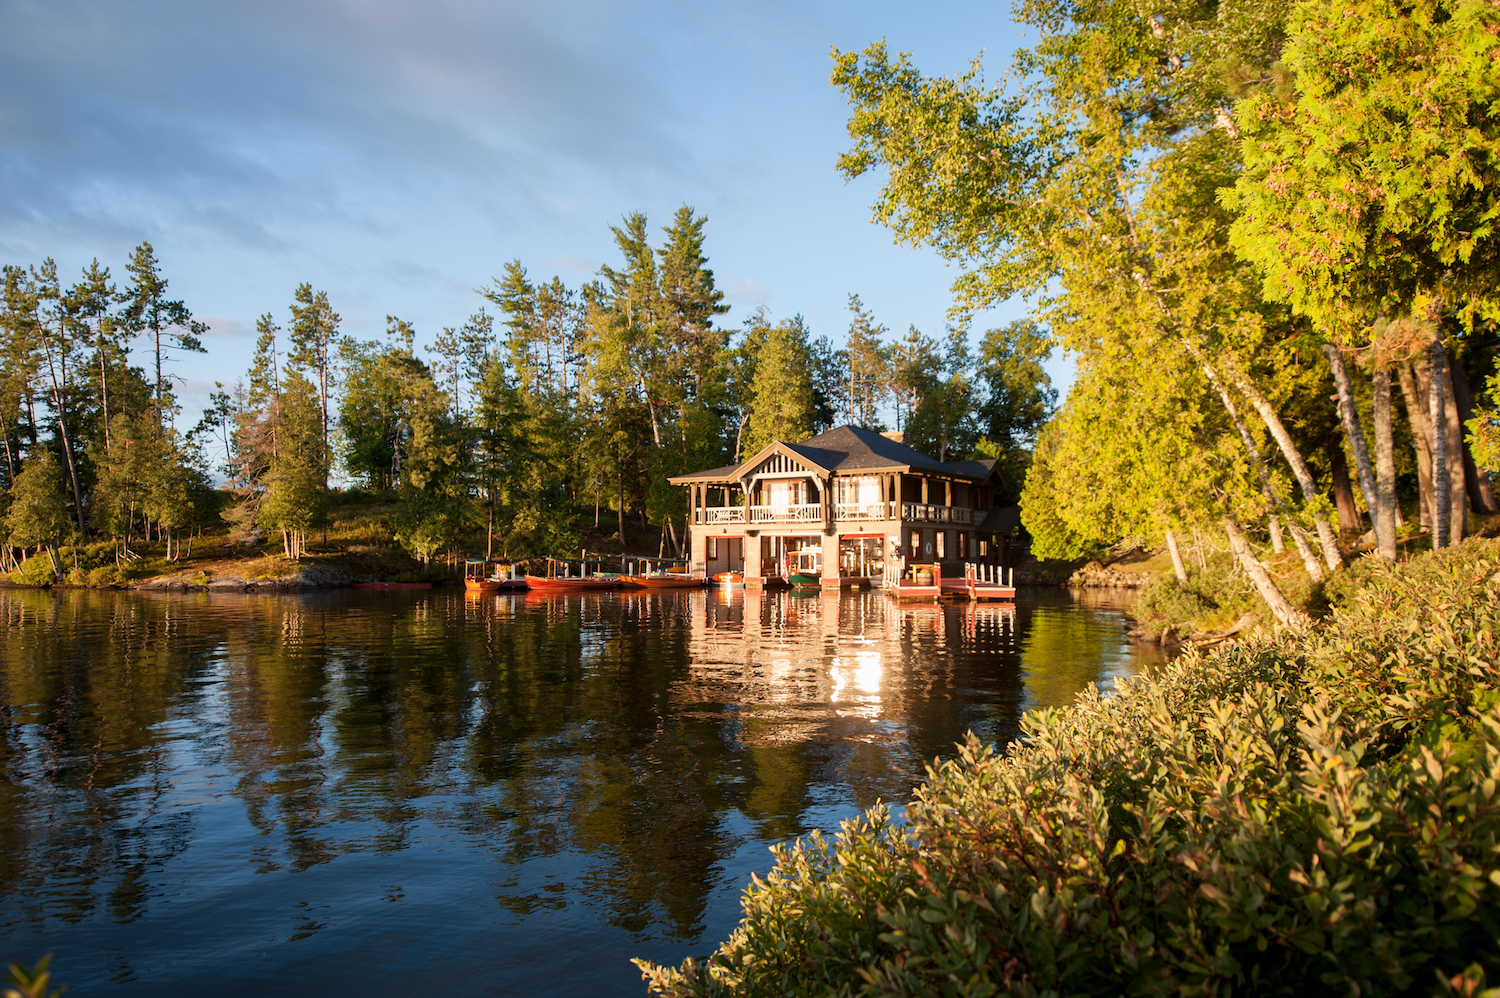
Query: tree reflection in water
{"points": [[516, 792]]}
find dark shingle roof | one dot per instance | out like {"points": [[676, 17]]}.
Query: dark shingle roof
{"points": [[849, 450], [724, 474]]}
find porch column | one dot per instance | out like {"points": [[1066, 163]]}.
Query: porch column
{"points": [[924, 490], [947, 493], [830, 579]]}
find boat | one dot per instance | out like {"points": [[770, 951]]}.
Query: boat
{"points": [[730, 580], [570, 584], [805, 569], [659, 573], [567, 582], [503, 577], [663, 580]]}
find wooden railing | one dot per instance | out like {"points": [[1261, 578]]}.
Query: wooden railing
{"points": [[805, 513], [863, 510], [723, 514], [937, 514]]}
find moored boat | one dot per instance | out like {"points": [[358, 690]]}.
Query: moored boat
{"points": [[730, 580], [566, 581], [663, 580], [805, 569], [502, 578]]}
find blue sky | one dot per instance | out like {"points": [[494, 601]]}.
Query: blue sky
{"points": [[397, 155]]}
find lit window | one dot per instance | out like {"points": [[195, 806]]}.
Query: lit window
{"points": [[941, 537]]}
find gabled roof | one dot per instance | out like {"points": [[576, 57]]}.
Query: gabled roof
{"points": [[848, 450], [713, 476]]}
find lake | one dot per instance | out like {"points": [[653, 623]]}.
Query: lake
{"points": [[389, 793]]}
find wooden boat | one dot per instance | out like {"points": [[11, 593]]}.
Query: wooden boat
{"points": [[730, 580], [663, 580], [805, 569], [502, 578], [553, 582], [571, 584]]}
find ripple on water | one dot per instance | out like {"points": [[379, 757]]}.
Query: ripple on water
{"points": [[360, 790]]}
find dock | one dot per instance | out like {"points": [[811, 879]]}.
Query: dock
{"points": [[926, 582]]}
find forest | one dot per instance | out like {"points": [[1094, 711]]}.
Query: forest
{"points": [[1266, 233], [547, 412]]}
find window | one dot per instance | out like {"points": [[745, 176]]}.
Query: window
{"points": [[984, 548], [963, 545], [914, 543], [941, 544], [862, 489], [713, 548]]}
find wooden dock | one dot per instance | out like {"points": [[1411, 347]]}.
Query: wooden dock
{"points": [[979, 582]]}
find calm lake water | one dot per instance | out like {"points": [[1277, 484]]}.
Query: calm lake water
{"points": [[416, 792]]}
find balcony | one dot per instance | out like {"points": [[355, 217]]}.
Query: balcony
{"points": [[863, 510], [805, 513], [936, 514], [722, 514]]}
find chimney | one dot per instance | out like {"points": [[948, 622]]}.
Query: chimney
{"points": [[895, 435]]}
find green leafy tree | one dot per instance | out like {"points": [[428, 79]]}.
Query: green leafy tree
{"points": [[1369, 191], [37, 517], [943, 423], [295, 495], [783, 390]]}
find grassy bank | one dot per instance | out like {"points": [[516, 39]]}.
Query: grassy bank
{"points": [[1311, 812]]}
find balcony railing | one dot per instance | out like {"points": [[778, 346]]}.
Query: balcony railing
{"points": [[863, 510], [844, 511], [938, 514], [806, 513]]}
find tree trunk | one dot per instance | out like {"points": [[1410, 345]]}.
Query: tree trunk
{"points": [[1349, 416], [1285, 613], [1481, 492], [1309, 557], [1343, 491], [1412, 394], [1326, 536], [1253, 450], [622, 511], [62, 429], [1385, 469], [1458, 492], [1437, 419], [1177, 566]]}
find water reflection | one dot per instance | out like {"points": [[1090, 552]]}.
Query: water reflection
{"points": [[518, 792]]}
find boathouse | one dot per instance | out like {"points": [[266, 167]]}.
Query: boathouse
{"points": [[864, 499]]}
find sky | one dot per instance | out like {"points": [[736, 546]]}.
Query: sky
{"points": [[397, 155]]}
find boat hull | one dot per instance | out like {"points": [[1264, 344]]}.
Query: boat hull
{"points": [[539, 584], [662, 581], [730, 580]]}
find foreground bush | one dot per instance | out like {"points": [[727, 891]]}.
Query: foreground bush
{"points": [[1312, 814]]}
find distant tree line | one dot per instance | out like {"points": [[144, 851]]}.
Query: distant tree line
{"points": [[550, 405]]}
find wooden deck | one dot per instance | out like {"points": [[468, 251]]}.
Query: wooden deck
{"points": [[974, 586]]}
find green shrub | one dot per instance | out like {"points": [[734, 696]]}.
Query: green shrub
{"points": [[35, 571], [1215, 596], [1313, 813]]}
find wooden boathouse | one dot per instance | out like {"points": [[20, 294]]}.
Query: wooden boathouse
{"points": [[867, 502]]}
